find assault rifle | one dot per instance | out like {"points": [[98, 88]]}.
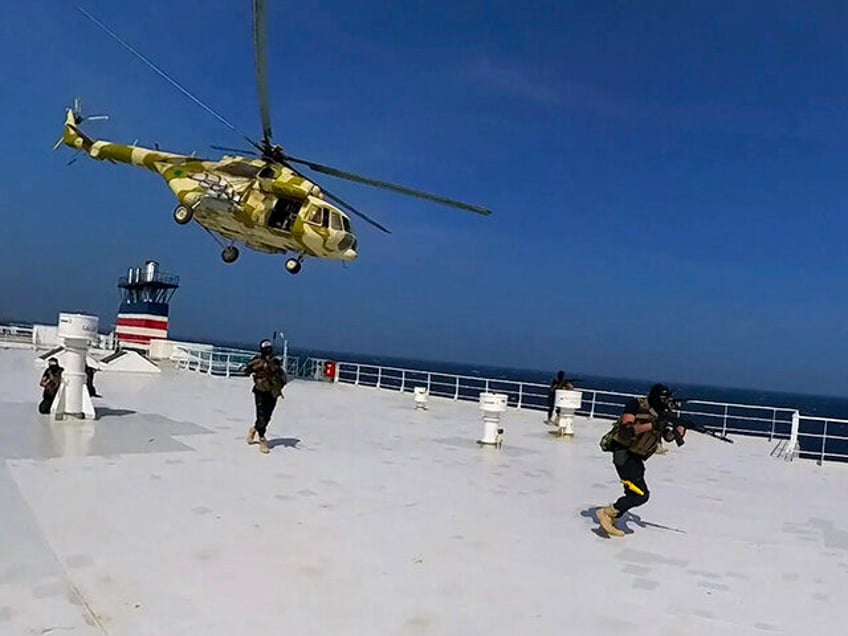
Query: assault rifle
{"points": [[668, 422]]}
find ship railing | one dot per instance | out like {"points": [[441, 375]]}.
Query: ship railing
{"points": [[797, 433], [826, 438], [144, 278], [13, 335], [27, 337], [222, 361]]}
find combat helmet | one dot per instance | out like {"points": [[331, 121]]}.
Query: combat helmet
{"points": [[658, 397]]}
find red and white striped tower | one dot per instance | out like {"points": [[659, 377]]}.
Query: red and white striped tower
{"points": [[143, 316]]}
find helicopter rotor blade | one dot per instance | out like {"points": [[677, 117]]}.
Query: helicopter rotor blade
{"points": [[347, 206], [167, 77], [260, 46], [317, 167], [241, 151]]}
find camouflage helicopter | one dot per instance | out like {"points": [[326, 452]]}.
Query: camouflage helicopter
{"points": [[256, 197]]}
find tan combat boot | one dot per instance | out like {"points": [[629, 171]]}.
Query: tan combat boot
{"points": [[251, 434], [606, 517], [263, 445]]}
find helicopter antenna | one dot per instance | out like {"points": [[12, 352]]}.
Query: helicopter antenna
{"points": [[167, 77]]}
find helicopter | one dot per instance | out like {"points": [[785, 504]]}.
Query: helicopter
{"points": [[256, 197]]}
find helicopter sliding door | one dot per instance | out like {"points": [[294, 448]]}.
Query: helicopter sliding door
{"points": [[284, 213]]}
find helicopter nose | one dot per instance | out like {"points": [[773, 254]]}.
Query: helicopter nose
{"points": [[350, 253], [347, 242]]}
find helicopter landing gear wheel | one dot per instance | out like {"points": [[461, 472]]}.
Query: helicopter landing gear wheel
{"points": [[230, 254], [293, 266], [183, 215]]}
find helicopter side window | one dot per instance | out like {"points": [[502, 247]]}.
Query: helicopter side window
{"points": [[283, 213], [335, 220]]}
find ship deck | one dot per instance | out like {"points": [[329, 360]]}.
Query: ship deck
{"points": [[368, 517]]}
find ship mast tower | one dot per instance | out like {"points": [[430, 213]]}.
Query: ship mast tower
{"points": [[143, 315]]}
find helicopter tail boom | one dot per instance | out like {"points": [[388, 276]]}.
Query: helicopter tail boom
{"points": [[75, 138]]}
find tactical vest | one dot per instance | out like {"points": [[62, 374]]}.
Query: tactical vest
{"points": [[268, 376], [642, 444]]}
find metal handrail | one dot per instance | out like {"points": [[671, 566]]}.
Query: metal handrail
{"points": [[15, 334], [759, 420], [221, 362], [776, 423]]}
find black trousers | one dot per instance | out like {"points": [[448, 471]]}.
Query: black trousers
{"points": [[46, 403], [551, 402], [265, 404], [630, 468]]}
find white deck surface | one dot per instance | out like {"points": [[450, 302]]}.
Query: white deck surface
{"points": [[370, 518]]}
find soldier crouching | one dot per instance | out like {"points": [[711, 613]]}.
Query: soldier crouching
{"points": [[269, 378]]}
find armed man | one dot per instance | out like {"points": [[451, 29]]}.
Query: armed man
{"points": [[269, 378], [558, 383], [51, 379], [634, 437]]}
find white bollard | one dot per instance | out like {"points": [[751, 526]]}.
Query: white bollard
{"points": [[566, 403], [420, 396], [77, 332], [492, 405]]}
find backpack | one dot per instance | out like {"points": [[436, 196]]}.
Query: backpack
{"points": [[606, 442]]}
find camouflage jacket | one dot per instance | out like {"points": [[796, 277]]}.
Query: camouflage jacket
{"points": [[557, 385], [268, 375]]}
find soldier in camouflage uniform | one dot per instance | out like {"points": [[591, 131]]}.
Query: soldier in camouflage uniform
{"points": [[269, 378], [634, 437]]}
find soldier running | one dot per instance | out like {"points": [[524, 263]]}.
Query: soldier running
{"points": [[269, 378], [633, 439]]}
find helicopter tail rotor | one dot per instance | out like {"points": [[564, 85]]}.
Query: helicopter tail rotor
{"points": [[80, 118], [73, 119]]}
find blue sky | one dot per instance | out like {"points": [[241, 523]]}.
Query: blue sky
{"points": [[668, 183]]}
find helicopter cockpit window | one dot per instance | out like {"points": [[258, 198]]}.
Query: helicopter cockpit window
{"points": [[317, 216], [335, 220], [346, 223]]}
